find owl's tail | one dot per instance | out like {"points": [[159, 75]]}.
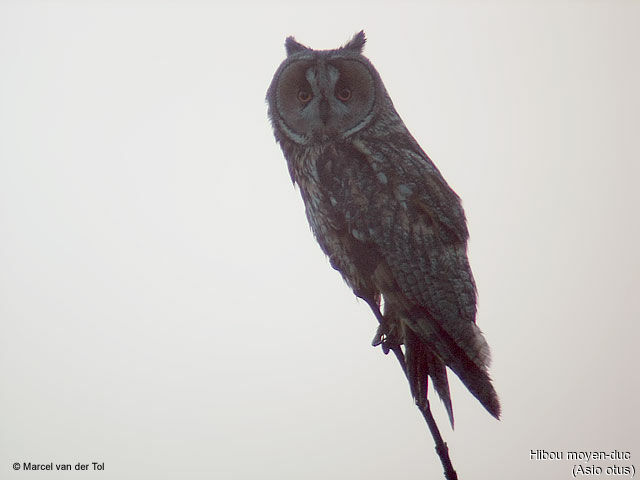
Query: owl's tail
{"points": [[421, 363], [462, 347]]}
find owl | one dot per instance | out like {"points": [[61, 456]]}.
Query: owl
{"points": [[383, 214]]}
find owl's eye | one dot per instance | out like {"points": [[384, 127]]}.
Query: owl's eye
{"points": [[304, 96], [343, 93]]}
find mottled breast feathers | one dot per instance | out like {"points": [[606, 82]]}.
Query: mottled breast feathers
{"points": [[382, 212]]}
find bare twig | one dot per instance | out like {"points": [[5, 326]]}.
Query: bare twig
{"points": [[441, 447], [423, 404]]}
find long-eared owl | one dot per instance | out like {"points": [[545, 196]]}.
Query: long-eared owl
{"points": [[383, 214]]}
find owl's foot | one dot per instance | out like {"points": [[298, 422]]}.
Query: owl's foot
{"points": [[387, 337]]}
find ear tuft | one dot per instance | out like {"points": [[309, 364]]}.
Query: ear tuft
{"points": [[356, 44], [292, 46]]}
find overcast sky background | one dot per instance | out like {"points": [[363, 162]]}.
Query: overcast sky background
{"points": [[164, 308]]}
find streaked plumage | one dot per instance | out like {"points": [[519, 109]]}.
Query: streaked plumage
{"points": [[383, 214]]}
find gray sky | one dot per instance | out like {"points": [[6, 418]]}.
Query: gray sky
{"points": [[165, 310]]}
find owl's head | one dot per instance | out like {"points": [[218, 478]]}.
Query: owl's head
{"points": [[318, 96]]}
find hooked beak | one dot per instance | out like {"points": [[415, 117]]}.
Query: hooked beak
{"points": [[324, 110]]}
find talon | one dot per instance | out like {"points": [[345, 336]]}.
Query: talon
{"points": [[380, 336], [385, 336]]}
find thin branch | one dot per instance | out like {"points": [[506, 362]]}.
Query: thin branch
{"points": [[441, 447], [423, 405]]}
